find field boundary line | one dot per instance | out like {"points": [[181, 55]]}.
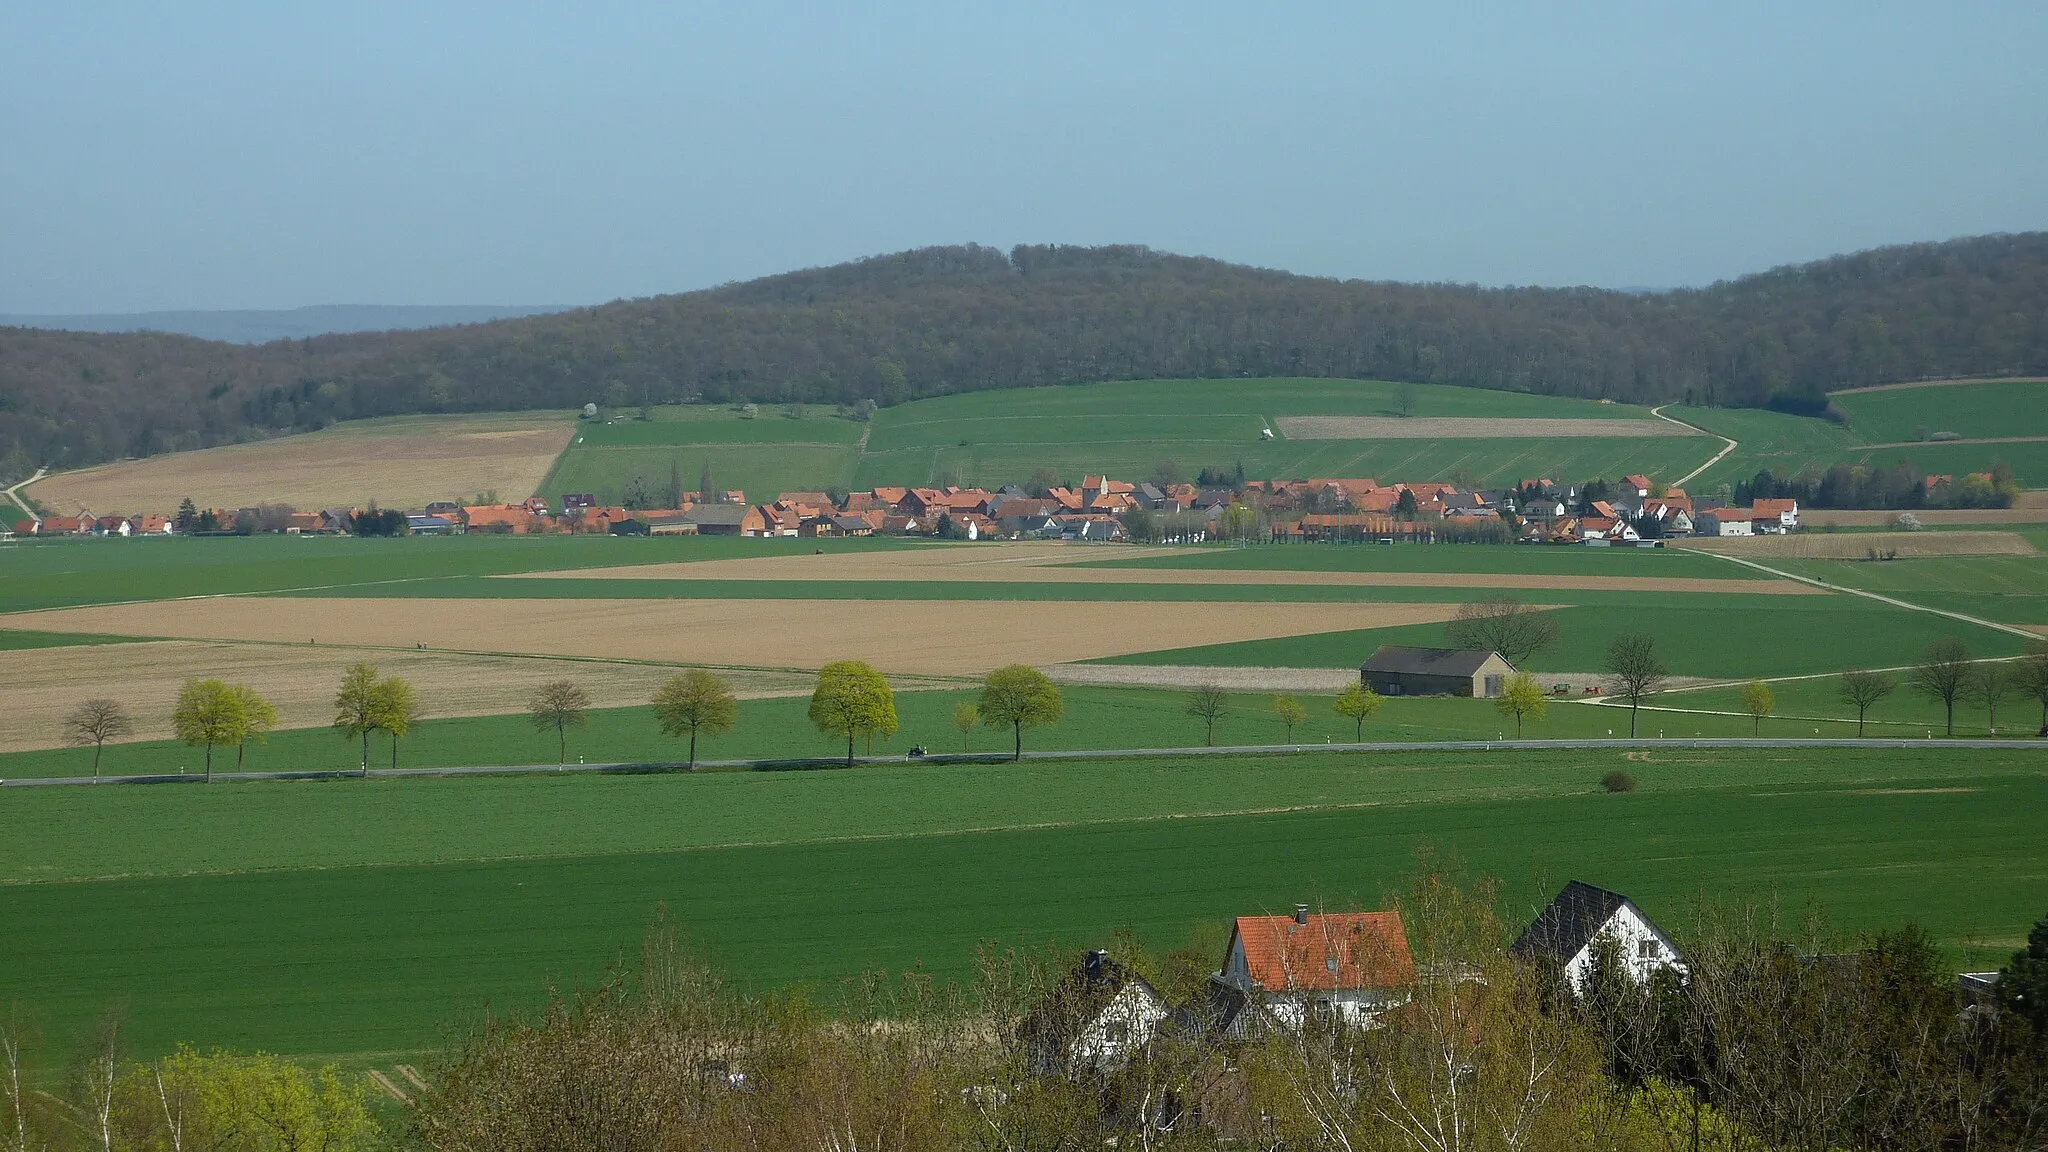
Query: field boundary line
{"points": [[2008, 629], [1729, 445]]}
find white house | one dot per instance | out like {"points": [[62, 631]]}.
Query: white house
{"points": [[1775, 515], [1350, 966], [1724, 522], [1569, 930], [1097, 1015]]}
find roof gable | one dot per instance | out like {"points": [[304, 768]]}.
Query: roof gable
{"points": [[1570, 922], [1325, 951], [1399, 660]]}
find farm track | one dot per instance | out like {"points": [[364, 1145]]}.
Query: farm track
{"points": [[2008, 629], [1727, 445], [14, 493]]}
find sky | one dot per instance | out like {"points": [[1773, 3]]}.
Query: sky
{"points": [[273, 155]]}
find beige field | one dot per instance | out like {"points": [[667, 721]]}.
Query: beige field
{"points": [[1857, 545], [1467, 428], [931, 637], [2030, 508], [1066, 564], [404, 462], [42, 685]]}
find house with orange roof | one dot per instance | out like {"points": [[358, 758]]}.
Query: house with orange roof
{"points": [[1775, 516], [1638, 482], [1345, 966], [500, 519], [152, 524]]}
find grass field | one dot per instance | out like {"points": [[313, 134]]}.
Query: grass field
{"points": [[1903, 713], [348, 919], [1976, 410]]}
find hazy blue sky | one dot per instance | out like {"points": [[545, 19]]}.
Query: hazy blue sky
{"points": [[284, 152]]}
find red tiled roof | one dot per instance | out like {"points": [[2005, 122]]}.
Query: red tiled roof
{"points": [[1370, 950], [1768, 509]]}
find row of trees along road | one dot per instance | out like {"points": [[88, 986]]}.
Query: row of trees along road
{"points": [[208, 714]]}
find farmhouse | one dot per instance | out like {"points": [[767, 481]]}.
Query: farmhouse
{"points": [[1394, 670], [1723, 522], [1350, 966], [1571, 931], [1101, 1011]]}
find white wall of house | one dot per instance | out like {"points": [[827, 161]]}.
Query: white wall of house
{"points": [[1126, 1022], [1641, 946]]}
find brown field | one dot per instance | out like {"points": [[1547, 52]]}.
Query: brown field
{"points": [[42, 685], [1067, 564], [1855, 546], [403, 462], [930, 637], [1467, 428]]}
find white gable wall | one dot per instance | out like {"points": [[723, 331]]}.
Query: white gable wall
{"points": [[1127, 1021], [1642, 947]]}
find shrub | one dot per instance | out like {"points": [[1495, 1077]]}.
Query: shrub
{"points": [[1618, 782]]}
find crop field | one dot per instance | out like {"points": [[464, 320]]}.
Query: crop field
{"points": [[1799, 704], [1976, 410], [380, 911], [1857, 546], [398, 462]]}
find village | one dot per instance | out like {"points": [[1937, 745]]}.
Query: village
{"points": [[1634, 511]]}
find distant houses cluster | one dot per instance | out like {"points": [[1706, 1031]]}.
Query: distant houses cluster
{"points": [[1632, 511]]}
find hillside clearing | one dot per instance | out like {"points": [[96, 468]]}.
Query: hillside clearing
{"points": [[930, 637], [404, 462], [1466, 428]]}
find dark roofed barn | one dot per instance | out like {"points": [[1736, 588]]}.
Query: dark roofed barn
{"points": [[1394, 670]]}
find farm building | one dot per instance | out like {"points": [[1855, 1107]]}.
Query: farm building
{"points": [[1394, 670], [1567, 931], [1724, 522]]}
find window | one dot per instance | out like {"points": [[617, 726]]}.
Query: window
{"points": [[1647, 949]]}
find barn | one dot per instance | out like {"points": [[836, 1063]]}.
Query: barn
{"points": [[1394, 670]]}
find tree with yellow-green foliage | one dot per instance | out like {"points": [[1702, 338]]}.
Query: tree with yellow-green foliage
{"points": [[259, 716], [397, 706], [852, 700], [1522, 698], [355, 707], [209, 712], [1021, 697], [1356, 704], [696, 701], [229, 1101], [1758, 701], [965, 717], [1290, 712]]}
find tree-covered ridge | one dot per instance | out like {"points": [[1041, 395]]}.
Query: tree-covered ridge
{"points": [[942, 320]]}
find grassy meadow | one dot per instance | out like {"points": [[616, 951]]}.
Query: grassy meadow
{"points": [[349, 919], [1985, 409]]}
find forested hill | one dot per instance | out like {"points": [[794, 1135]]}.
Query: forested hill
{"points": [[944, 320]]}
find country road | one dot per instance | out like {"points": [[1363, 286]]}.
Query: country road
{"points": [[12, 493], [826, 763], [1728, 445]]}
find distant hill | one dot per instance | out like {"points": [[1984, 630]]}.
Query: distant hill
{"points": [[944, 320], [260, 326]]}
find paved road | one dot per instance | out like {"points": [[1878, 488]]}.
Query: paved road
{"points": [[1091, 754], [1682, 481]]}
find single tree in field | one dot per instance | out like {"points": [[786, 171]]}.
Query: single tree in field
{"points": [[1357, 704], [1942, 673], [95, 722], [1989, 685], [965, 717], [1021, 697], [2030, 680], [259, 716], [1208, 703], [208, 712], [1290, 712], [1405, 396], [1860, 690], [696, 701], [1634, 671], [398, 709], [559, 705], [1505, 625], [852, 699], [1758, 701], [1522, 698], [355, 707]]}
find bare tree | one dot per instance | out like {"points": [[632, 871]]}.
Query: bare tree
{"points": [[1505, 625], [16, 1100], [2030, 679], [1405, 395], [1861, 690], [1208, 703], [1634, 671], [1942, 674], [559, 705], [1988, 684], [95, 722], [97, 1077]]}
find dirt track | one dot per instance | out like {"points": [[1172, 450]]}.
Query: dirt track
{"points": [[42, 685], [1468, 428], [399, 463], [1857, 545], [932, 637], [1065, 564]]}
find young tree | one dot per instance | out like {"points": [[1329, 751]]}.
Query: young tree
{"points": [[2030, 680], [259, 716], [1290, 712], [559, 705], [1634, 671], [853, 699], [208, 712], [1505, 625], [1989, 685], [1522, 698], [696, 701], [1860, 690], [398, 709], [1757, 700], [965, 717], [1942, 673], [1405, 396], [1208, 703], [95, 722], [1356, 704], [355, 707], [1022, 697]]}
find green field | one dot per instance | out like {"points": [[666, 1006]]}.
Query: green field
{"points": [[1521, 560], [1979, 410], [350, 919], [1903, 713]]}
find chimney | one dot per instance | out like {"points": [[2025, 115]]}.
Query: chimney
{"points": [[1094, 964], [1301, 913]]}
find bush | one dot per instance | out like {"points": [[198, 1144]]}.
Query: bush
{"points": [[1618, 782]]}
